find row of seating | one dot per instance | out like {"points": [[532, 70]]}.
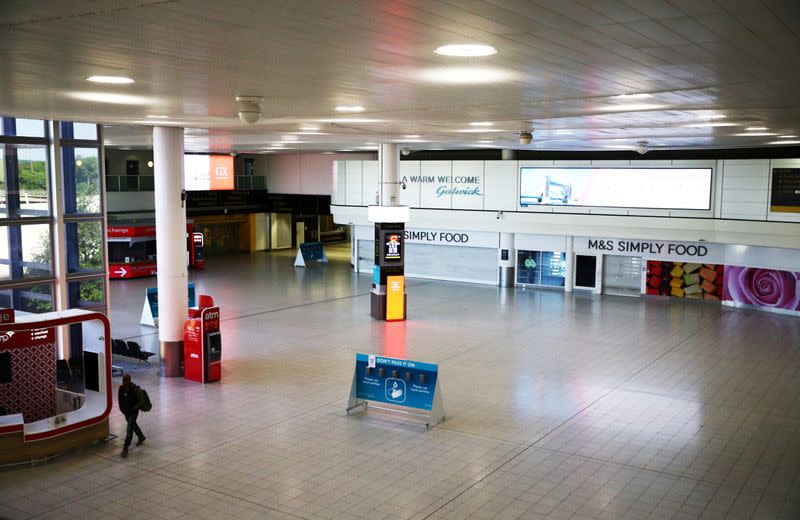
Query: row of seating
{"points": [[130, 349]]}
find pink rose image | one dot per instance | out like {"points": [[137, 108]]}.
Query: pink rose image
{"points": [[762, 287]]}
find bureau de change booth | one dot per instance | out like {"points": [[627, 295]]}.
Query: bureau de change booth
{"points": [[41, 415]]}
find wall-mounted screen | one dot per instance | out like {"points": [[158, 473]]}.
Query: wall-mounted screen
{"points": [[655, 188], [208, 172]]}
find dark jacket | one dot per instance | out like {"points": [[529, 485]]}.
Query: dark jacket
{"points": [[130, 401]]}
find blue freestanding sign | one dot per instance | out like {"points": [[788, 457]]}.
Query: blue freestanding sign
{"points": [[150, 308], [310, 252], [397, 382]]}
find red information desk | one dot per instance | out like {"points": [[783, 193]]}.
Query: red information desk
{"points": [[43, 419], [132, 250]]}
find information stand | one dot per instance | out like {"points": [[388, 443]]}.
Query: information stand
{"points": [[401, 386], [310, 252], [150, 307]]}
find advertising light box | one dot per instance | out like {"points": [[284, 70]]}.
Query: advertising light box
{"points": [[652, 188], [208, 172]]}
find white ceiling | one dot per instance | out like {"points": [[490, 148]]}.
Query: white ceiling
{"points": [[563, 62]]}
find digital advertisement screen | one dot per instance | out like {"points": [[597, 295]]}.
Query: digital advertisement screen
{"points": [[653, 188], [392, 247], [208, 172]]}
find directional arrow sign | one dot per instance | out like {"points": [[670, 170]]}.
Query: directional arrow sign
{"points": [[121, 272]]}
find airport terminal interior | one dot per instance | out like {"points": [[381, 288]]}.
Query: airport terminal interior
{"points": [[517, 259]]}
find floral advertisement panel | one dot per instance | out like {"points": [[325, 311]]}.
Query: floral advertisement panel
{"points": [[685, 280], [769, 288]]}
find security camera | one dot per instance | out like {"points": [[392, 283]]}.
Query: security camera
{"points": [[525, 137], [249, 108], [641, 147], [405, 150], [403, 184]]}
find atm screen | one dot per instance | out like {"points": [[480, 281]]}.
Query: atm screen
{"points": [[214, 342]]}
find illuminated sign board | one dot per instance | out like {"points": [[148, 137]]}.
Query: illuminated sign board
{"points": [[208, 172], [652, 188]]}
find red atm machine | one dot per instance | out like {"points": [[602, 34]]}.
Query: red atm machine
{"points": [[197, 250], [202, 351]]}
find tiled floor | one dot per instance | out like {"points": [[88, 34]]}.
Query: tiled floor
{"points": [[558, 406]]}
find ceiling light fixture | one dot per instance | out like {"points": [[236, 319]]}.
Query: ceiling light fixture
{"points": [[111, 80], [107, 97], [481, 123], [784, 142], [309, 128], [350, 108], [715, 116], [289, 138], [465, 75], [153, 116], [485, 141], [525, 137], [564, 132], [754, 134], [465, 50], [478, 130], [630, 107], [710, 125], [640, 95], [412, 136], [349, 120], [149, 164], [311, 133], [787, 136], [756, 128]]}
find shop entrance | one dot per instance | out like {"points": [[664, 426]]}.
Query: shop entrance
{"points": [[221, 238], [622, 275]]}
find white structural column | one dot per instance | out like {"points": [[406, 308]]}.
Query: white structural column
{"points": [[171, 246], [506, 265], [389, 163], [569, 271]]}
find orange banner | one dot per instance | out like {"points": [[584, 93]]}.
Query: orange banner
{"points": [[395, 298], [220, 172]]}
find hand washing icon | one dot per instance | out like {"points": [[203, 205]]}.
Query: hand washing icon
{"points": [[395, 390]]}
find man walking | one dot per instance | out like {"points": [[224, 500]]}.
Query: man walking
{"points": [[131, 400]]}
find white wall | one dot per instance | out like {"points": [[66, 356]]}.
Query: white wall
{"points": [[117, 201], [309, 173], [739, 211]]}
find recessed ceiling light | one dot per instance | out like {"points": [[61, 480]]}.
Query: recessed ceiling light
{"points": [[311, 133], [309, 128], [710, 125], [350, 108], [350, 120], [153, 116], [481, 123], [466, 50], [412, 136], [478, 130], [371, 144], [640, 95], [465, 75], [784, 142], [630, 107], [328, 153], [754, 134], [715, 116], [149, 164], [373, 147], [484, 141], [564, 132], [787, 136], [346, 150], [106, 97], [289, 138], [756, 128], [113, 80]]}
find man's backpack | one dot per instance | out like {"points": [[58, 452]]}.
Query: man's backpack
{"points": [[147, 405]]}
